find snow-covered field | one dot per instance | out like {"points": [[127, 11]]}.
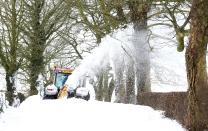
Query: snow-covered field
{"points": [[35, 114]]}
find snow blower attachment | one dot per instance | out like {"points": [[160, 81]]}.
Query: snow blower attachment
{"points": [[59, 90]]}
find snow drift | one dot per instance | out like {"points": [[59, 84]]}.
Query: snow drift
{"points": [[35, 114]]}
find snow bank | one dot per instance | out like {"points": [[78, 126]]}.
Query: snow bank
{"points": [[75, 114]]}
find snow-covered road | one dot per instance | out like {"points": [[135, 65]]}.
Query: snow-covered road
{"points": [[35, 114]]}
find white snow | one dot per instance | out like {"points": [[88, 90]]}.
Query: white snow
{"points": [[35, 114], [2, 79]]}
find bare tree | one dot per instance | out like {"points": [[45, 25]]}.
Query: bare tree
{"points": [[42, 20], [98, 16], [173, 15], [11, 18]]}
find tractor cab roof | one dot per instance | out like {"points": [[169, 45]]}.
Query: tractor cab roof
{"points": [[63, 70]]}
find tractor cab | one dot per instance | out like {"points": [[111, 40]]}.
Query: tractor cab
{"points": [[60, 77]]}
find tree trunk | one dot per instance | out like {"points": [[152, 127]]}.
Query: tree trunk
{"points": [[104, 89], [142, 57], [36, 63], [37, 47], [10, 88], [105, 85], [139, 10], [109, 91], [130, 84], [119, 83], [99, 88], [196, 67], [33, 81]]}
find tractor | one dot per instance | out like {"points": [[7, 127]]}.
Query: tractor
{"points": [[61, 75]]}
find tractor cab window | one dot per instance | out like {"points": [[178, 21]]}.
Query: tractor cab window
{"points": [[60, 79]]}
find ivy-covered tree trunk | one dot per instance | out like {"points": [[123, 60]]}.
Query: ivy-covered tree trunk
{"points": [[196, 67], [37, 45]]}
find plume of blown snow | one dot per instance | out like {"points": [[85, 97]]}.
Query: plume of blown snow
{"points": [[109, 51]]}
